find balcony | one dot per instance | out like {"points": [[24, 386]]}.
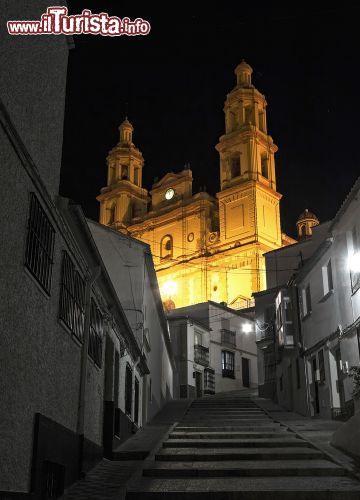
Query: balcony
{"points": [[201, 355], [265, 338], [228, 337]]}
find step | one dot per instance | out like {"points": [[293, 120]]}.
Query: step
{"points": [[228, 435], [225, 412], [236, 443], [228, 417], [226, 421], [234, 424], [213, 454], [247, 488], [244, 469], [232, 428]]}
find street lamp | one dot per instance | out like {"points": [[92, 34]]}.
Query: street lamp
{"points": [[354, 262], [247, 327]]}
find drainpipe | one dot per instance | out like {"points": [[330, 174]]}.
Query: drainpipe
{"points": [[84, 361]]}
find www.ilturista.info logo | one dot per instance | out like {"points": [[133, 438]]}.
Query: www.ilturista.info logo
{"points": [[56, 21]]}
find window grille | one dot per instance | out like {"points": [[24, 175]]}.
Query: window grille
{"points": [[72, 298], [53, 478], [128, 389], [228, 364], [95, 333], [39, 244]]}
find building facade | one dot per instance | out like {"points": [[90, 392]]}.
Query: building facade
{"points": [[308, 325], [131, 270], [204, 248], [232, 356], [191, 340], [71, 366]]}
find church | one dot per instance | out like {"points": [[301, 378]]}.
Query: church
{"points": [[204, 247]]}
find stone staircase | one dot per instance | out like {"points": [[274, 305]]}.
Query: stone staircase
{"points": [[226, 447]]}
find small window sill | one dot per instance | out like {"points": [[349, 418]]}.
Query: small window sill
{"points": [[304, 318], [326, 296]]}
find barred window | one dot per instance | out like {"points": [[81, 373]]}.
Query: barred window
{"points": [[228, 364], [128, 389], [72, 298], [95, 333], [39, 244]]}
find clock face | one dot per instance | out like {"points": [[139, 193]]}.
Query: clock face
{"points": [[169, 194]]}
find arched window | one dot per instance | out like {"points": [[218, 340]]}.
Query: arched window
{"points": [[124, 172], [166, 247], [235, 166], [111, 213]]}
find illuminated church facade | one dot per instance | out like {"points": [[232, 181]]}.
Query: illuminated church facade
{"points": [[204, 248]]}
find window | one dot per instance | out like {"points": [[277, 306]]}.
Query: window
{"points": [[327, 278], [137, 398], [262, 121], [124, 172], [95, 333], [235, 166], [137, 176], [128, 389], [198, 338], [166, 247], [297, 368], [39, 244], [306, 301], [111, 213], [150, 391], [72, 298], [228, 364], [321, 365], [248, 115], [264, 166], [355, 275]]}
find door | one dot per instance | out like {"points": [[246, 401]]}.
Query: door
{"points": [[315, 386], [245, 372], [340, 376], [136, 402], [198, 384]]}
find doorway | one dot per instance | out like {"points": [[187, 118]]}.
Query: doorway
{"points": [[198, 384], [315, 386], [340, 377], [245, 367]]}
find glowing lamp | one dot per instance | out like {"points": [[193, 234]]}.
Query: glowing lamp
{"points": [[354, 262], [247, 327], [169, 288]]}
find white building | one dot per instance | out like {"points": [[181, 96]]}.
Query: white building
{"points": [[310, 323], [232, 348], [131, 270], [190, 341]]}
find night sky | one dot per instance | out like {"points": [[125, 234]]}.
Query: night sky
{"points": [[172, 84]]}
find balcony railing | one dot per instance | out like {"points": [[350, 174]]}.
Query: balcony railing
{"points": [[228, 337], [201, 355]]}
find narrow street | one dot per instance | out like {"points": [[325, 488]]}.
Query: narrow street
{"points": [[226, 446]]}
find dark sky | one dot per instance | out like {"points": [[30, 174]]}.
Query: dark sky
{"points": [[175, 80]]}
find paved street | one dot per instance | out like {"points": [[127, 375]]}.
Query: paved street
{"points": [[233, 445]]}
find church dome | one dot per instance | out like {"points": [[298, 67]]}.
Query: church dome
{"points": [[306, 214], [306, 221]]}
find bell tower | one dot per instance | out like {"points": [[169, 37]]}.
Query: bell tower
{"points": [[123, 200], [248, 200]]}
